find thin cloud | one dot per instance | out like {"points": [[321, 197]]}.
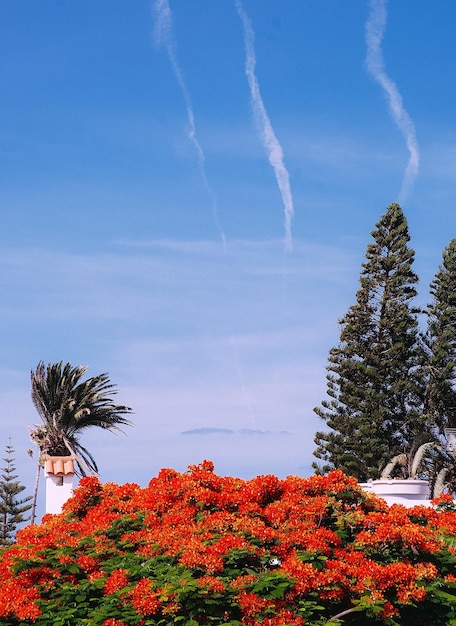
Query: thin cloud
{"points": [[269, 139], [252, 431], [163, 35], [208, 431], [228, 431], [375, 29]]}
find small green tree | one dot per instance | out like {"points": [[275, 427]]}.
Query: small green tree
{"points": [[373, 410], [12, 508]]}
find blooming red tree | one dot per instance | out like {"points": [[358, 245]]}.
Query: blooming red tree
{"points": [[196, 548]]}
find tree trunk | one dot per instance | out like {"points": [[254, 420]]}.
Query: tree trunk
{"points": [[35, 492]]}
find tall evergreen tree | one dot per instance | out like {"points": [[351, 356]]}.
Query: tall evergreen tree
{"points": [[438, 372], [439, 343], [12, 508], [373, 406]]}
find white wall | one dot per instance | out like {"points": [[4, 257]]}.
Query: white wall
{"points": [[56, 493]]}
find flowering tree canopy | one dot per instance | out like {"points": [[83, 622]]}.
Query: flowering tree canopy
{"points": [[196, 548]]}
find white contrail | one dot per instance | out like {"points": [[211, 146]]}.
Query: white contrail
{"points": [[163, 34], [270, 141], [375, 28]]}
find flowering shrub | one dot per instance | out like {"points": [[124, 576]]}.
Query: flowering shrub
{"points": [[199, 549]]}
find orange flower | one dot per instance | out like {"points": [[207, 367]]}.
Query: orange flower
{"points": [[87, 563], [251, 604], [144, 599], [116, 581], [18, 601]]}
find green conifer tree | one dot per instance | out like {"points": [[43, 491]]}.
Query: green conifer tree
{"points": [[373, 406], [12, 508], [439, 344]]}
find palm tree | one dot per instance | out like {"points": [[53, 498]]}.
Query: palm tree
{"points": [[67, 407]]}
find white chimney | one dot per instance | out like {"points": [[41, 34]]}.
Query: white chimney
{"points": [[59, 473]]}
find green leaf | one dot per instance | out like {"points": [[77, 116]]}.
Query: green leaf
{"points": [[73, 569], [444, 595]]}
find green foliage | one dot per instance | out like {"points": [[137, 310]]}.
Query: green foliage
{"points": [[12, 508], [439, 345]]}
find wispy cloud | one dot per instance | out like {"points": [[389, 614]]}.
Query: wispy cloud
{"points": [[268, 136], [375, 29], [164, 37]]}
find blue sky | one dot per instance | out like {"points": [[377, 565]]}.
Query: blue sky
{"points": [[144, 226]]}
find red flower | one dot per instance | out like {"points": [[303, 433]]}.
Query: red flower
{"points": [[144, 599], [251, 604], [117, 580]]}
